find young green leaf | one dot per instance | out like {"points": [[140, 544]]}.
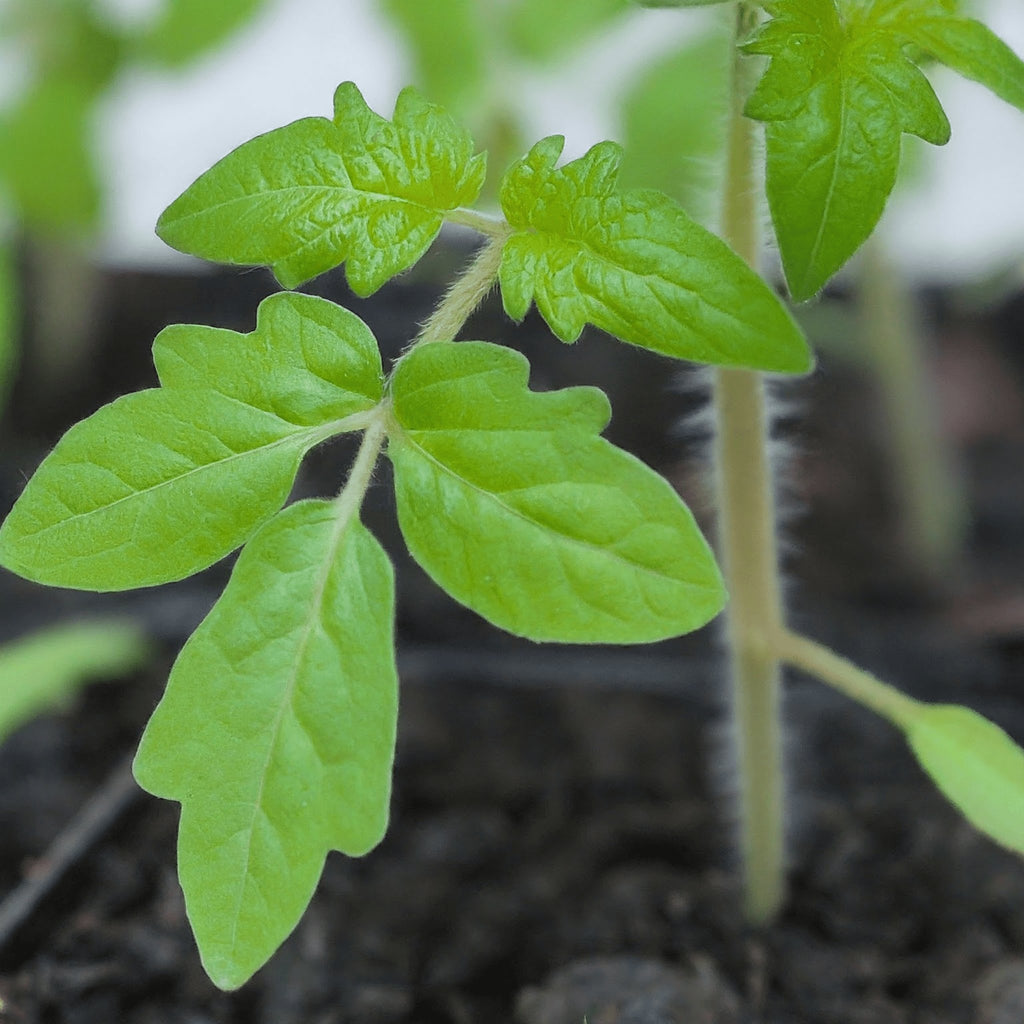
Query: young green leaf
{"points": [[634, 264], [839, 92], [44, 669], [152, 488], [316, 193], [277, 730], [976, 765], [309, 361], [513, 504]]}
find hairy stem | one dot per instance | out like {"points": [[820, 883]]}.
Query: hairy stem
{"points": [[466, 293], [747, 545]]}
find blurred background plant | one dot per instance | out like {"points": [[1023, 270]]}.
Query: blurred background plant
{"points": [[60, 56]]}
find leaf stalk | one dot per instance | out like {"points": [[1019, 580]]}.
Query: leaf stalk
{"points": [[350, 498], [850, 680], [466, 293]]}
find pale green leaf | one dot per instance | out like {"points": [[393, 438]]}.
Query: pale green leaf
{"points": [[277, 732], [840, 90], [309, 361], [43, 670], [187, 29], [514, 505], [304, 198], [543, 31], [634, 264], [47, 168], [976, 765], [152, 488], [674, 122], [449, 46]]}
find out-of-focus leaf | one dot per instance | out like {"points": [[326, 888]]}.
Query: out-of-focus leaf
{"points": [[674, 122], [186, 29], [43, 670], [543, 30], [976, 765], [449, 47], [46, 162]]}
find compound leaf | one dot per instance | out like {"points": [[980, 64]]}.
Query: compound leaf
{"points": [[840, 90], [41, 671], [514, 505], [277, 731], [634, 264], [304, 198], [309, 361], [152, 488], [976, 765]]}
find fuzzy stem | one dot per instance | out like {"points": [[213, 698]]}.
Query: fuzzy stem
{"points": [[747, 544], [466, 293], [847, 678]]}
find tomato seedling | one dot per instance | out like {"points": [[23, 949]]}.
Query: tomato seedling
{"points": [[276, 733]]}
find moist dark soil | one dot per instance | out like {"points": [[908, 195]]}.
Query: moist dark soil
{"points": [[562, 838]]}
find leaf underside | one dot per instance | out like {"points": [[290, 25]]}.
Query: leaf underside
{"points": [[314, 194], [514, 505], [276, 733], [162, 483], [976, 765], [839, 92], [634, 264]]}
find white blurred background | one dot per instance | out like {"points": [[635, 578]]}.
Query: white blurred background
{"points": [[159, 130]]}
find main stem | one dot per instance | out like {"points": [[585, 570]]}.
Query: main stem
{"points": [[747, 545]]}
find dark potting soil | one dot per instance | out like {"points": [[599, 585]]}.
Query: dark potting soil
{"points": [[562, 844]]}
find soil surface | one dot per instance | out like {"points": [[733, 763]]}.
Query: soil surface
{"points": [[562, 838]]}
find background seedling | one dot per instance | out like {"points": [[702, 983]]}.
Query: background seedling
{"points": [[276, 732]]}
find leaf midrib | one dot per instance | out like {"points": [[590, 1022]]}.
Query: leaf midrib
{"points": [[338, 532], [312, 435]]}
